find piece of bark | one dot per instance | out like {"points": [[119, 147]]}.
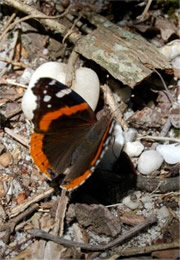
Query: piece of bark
{"points": [[166, 27], [126, 56], [98, 219], [147, 118], [130, 218], [174, 116], [170, 254]]}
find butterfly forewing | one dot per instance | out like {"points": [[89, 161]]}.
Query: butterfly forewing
{"points": [[59, 107]]}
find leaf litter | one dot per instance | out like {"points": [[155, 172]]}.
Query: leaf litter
{"points": [[116, 202]]}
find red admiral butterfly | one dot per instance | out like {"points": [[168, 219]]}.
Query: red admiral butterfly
{"points": [[67, 137]]}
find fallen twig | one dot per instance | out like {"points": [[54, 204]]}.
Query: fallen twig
{"points": [[28, 17], [14, 63], [70, 17], [146, 249], [13, 82], [35, 198], [163, 133], [11, 55], [70, 69], [21, 139], [53, 25], [166, 128], [164, 185], [70, 31], [146, 9], [159, 138], [45, 235], [113, 107], [6, 27], [60, 214], [13, 113], [10, 225], [165, 87], [151, 184]]}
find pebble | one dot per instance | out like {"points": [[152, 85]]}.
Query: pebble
{"points": [[163, 212], [20, 198], [134, 149], [6, 159], [149, 161], [26, 76], [128, 202], [171, 50], [146, 200], [55, 70], [86, 84], [170, 152], [130, 135]]}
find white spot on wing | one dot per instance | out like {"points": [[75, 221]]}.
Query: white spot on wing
{"points": [[49, 105], [92, 169], [63, 92], [52, 82], [47, 98], [44, 92]]}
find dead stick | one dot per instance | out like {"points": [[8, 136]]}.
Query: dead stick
{"points": [[70, 17], [42, 234], [159, 138], [170, 97], [13, 113], [21, 139], [14, 63], [146, 249], [53, 25], [142, 16], [108, 95], [151, 184], [6, 28], [32, 17], [71, 68], [11, 55], [34, 198], [164, 185], [9, 226], [60, 214]]}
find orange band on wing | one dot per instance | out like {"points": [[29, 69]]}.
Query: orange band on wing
{"points": [[81, 179], [77, 182], [49, 117], [38, 155]]}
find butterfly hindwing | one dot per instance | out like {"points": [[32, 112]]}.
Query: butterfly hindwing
{"points": [[67, 138]]}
